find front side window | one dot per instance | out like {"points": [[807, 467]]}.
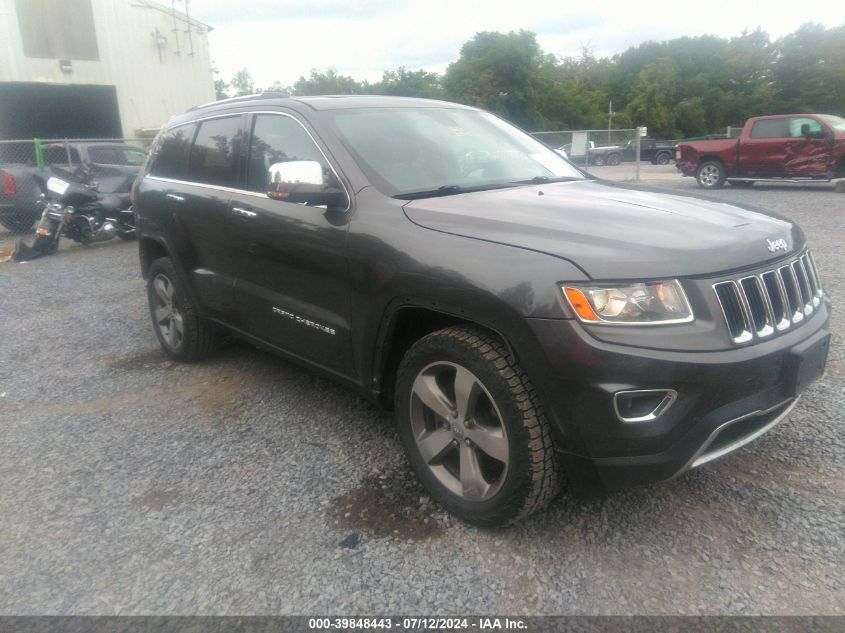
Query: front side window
{"points": [[214, 154], [170, 153], [417, 150], [277, 139], [795, 127], [771, 128]]}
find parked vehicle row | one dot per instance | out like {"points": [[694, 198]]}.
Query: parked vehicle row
{"points": [[803, 147], [656, 152], [519, 317], [113, 166]]}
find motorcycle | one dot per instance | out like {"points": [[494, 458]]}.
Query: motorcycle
{"points": [[73, 207]]}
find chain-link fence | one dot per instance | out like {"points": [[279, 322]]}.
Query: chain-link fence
{"points": [[609, 154], [26, 164]]}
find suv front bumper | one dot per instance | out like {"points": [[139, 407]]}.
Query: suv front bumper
{"points": [[725, 399]]}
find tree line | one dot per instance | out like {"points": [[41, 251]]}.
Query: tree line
{"points": [[688, 86]]}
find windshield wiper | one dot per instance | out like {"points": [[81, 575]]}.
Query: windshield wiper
{"points": [[450, 190], [541, 180]]}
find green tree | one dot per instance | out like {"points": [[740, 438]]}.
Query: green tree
{"points": [[242, 83], [327, 82], [653, 98], [409, 83], [499, 72]]}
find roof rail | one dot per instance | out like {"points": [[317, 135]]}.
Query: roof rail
{"points": [[258, 95]]}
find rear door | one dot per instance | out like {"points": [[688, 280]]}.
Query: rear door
{"points": [[292, 278], [763, 152], [195, 171]]}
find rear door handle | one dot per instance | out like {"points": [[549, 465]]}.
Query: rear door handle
{"points": [[244, 213], [174, 198]]}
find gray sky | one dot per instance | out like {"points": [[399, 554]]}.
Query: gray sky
{"points": [[283, 39]]}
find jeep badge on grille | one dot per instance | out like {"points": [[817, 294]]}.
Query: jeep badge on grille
{"points": [[777, 245]]}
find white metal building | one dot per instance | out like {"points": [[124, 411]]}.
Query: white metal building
{"points": [[98, 68]]}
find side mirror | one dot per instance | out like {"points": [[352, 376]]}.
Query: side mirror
{"points": [[304, 182]]}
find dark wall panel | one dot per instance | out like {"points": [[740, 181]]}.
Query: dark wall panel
{"points": [[29, 110]]}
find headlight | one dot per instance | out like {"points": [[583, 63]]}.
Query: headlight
{"points": [[649, 303]]}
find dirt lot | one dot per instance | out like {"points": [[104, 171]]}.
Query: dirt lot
{"points": [[133, 485]]}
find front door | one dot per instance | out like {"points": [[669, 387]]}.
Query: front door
{"points": [[808, 155], [292, 283]]}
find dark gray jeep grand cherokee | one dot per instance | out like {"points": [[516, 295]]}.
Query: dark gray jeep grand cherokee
{"points": [[522, 319]]}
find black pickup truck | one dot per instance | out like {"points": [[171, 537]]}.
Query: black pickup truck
{"points": [[113, 165], [656, 152]]}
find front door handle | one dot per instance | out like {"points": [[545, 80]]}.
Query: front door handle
{"points": [[174, 198], [244, 213]]}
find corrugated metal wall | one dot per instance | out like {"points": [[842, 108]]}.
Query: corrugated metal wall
{"points": [[142, 55]]}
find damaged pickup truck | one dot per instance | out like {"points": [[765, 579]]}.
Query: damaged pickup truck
{"points": [[786, 148]]}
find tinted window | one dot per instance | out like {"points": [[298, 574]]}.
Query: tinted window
{"points": [[214, 154], [116, 155], [277, 139], [58, 155], [816, 129], [170, 156], [771, 128]]}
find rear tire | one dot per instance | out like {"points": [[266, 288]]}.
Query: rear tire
{"points": [[710, 175], [614, 159], [663, 158], [182, 333], [516, 472]]}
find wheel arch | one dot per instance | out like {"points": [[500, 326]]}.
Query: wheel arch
{"points": [[710, 158], [404, 326], [149, 250]]}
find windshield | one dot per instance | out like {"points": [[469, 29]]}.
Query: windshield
{"points": [[837, 123], [407, 150], [116, 155]]}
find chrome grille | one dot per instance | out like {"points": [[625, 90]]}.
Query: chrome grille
{"points": [[757, 306]]}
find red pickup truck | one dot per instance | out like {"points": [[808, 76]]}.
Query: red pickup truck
{"points": [[787, 147]]}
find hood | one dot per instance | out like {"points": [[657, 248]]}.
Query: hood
{"points": [[613, 231]]}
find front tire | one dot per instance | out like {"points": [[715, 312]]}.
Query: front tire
{"points": [[710, 175], [473, 428], [182, 333]]}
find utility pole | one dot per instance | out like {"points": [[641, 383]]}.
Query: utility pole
{"points": [[609, 119]]}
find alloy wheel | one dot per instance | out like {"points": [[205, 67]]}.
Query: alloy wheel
{"points": [[709, 175], [168, 317], [459, 431]]}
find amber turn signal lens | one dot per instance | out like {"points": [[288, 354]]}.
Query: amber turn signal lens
{"points": [[580, 304]]}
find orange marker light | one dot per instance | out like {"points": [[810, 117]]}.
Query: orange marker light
{"points": [[580, 304]]}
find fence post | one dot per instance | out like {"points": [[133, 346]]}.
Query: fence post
{"points": [[637, 178], [39, 153]]}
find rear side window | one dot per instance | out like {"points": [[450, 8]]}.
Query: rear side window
{"points": [[59, 154], [771, 128], [277, 139], [170, 157], [214, 154]]}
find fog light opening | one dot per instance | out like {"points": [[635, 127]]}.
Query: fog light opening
{"points": [[643, 405]]}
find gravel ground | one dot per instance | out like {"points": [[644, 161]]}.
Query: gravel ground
{"points": [[245, 485]]}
